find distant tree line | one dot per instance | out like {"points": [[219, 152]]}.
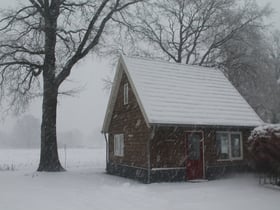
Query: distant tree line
{"points": [[25, 133]]}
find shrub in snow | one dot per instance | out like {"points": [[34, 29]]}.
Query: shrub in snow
{"points": [[264, 146]]}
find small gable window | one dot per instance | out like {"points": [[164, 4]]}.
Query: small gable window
{"points": [[125, 94], [229, 145], [118, 144]]}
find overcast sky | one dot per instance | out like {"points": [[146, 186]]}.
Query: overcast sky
{"points": [[86, 111]]}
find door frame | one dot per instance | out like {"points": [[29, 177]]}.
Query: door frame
{"points": [[203, 149]]}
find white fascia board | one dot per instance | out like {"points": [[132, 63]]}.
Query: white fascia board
{"points": [[122, 61], [112, 98], [121, 68]]}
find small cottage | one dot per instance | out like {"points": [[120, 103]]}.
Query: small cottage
{"points": [[175, 122]]}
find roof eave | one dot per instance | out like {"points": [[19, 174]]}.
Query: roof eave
{"points": [[114, 92], [112, 98], [203, 125]]}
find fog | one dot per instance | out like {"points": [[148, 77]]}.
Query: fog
{"points": [[25, 133], [79, 117]]}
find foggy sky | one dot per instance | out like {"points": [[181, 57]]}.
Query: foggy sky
{"points": [[86, 111]]}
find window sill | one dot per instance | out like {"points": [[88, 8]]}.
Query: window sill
{"points": [[230, 159], [118, 155]]}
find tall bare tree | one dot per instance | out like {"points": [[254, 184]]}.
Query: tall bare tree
{"points": [[250, 63], [228, 34], [275, 53], [190, 31], [46, 39]]}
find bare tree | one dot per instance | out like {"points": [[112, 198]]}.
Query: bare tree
{"points": [[190, 31], [274, 47], [251, 62], [47, 38], [228, 34]]}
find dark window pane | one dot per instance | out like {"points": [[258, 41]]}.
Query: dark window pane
{"points": [[235, 145], [222, 145], [194, 146]]}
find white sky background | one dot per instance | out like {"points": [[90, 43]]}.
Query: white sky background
{"points": [[86, 111]]}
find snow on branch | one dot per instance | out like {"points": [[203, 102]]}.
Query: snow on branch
{"points": [[266, 131]]}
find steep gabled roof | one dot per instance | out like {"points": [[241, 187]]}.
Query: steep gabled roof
{"points": [[179, 94]]}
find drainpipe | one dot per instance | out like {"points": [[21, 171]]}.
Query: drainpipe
{"points": [[149, 154], [107, 158]]}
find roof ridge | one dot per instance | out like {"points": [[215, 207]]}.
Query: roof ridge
{"points": [[159, 60]]}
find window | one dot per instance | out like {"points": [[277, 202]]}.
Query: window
{"points": [[235, 145], [125, 94], [223, 145], [194, 146], [118, 144], [229, 145]]}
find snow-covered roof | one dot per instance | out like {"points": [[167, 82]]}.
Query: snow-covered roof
{"points": [[171, 93]]}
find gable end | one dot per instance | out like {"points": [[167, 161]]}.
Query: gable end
{"points": [[120, 73]]}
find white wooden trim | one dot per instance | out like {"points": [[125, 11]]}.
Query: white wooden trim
{"points": [[112, 98], [125, 94], [121, 68], [203, 151], [119, 141], [129, 166], [135, 92], [165, 169], [230, 152]]}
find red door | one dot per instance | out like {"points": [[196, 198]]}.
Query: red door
{"points": [[194, 150]]}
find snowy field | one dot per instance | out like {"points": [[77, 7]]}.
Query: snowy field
{"points": [[86, 186]]}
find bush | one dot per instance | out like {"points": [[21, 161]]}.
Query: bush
{"points": [[265, 148]]}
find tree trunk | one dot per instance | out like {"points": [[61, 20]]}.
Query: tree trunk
{"points": [[49, 160]]}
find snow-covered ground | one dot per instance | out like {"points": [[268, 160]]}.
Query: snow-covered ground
{"points": [[86, 186]]}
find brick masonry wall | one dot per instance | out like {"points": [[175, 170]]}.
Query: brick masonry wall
{"points": [[168, 149], [128, 119]]}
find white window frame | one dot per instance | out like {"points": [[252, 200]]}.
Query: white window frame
{"points": [[229, 133], [125, 94], [119, 145]]}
